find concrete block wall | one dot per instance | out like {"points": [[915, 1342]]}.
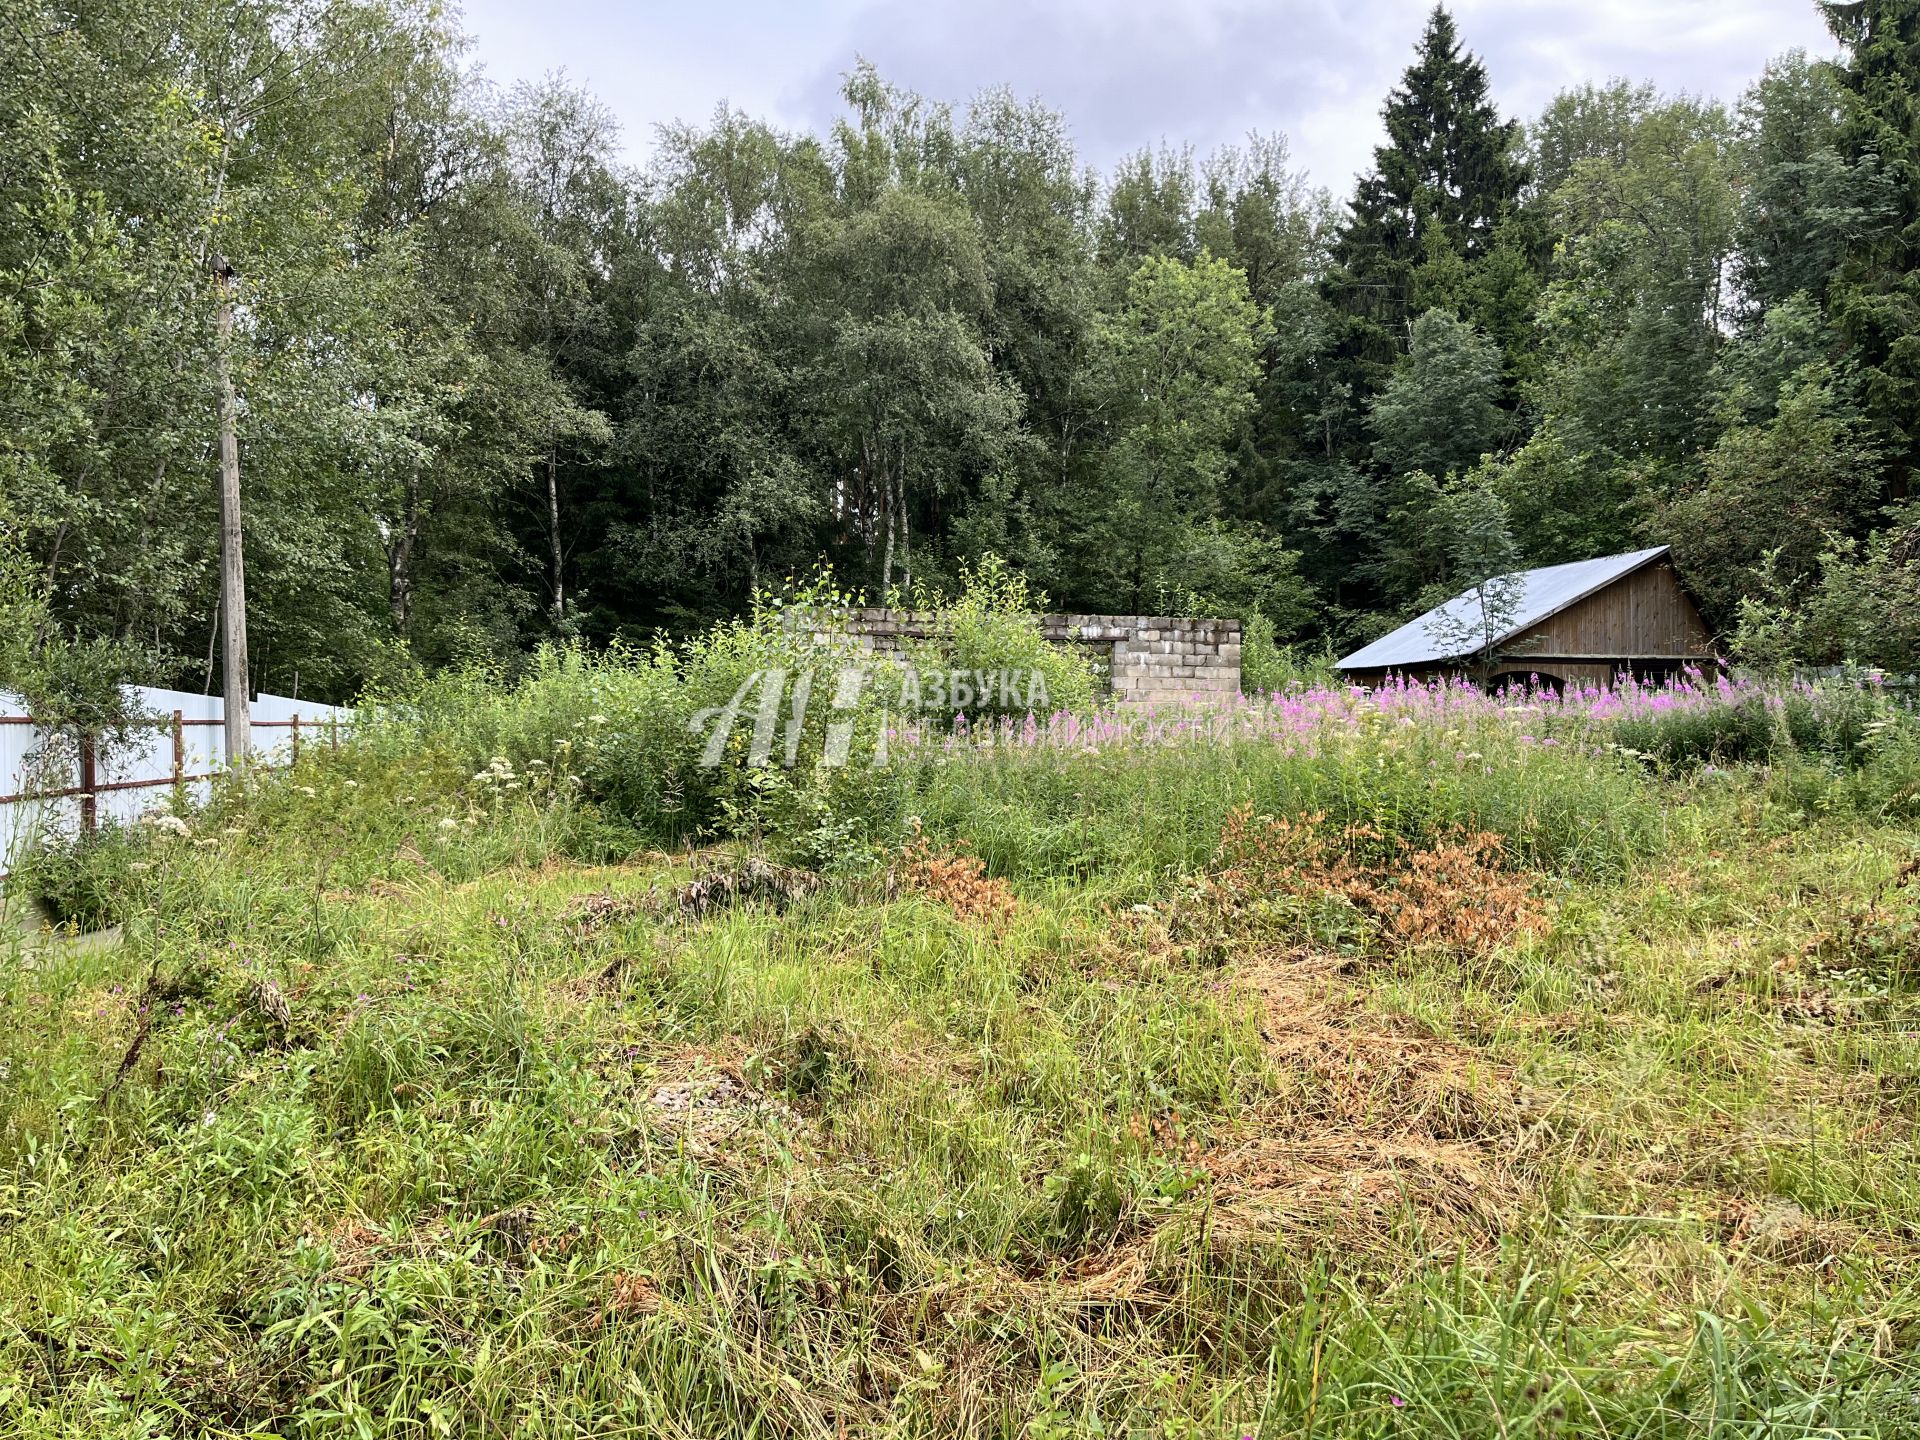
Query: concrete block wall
{"points": [[1153, 658], [1173, 657], [885, 632]]}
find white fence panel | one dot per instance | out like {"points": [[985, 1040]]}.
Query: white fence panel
{"points": [[140, 777]]}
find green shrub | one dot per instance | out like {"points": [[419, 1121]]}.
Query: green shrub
{"points": [[1267, 667], [1263, 666], [623, 731], [82, 881], [1888, 784], [1838, 721], [1882, 784], [1745, 730], [994, 630], [662, 740]]}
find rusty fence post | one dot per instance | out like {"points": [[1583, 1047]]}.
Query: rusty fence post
{"points": [[179, 756], [296, 737], [89, 779]]}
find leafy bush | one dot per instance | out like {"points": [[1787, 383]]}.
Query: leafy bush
{"points": [[665, 740], [82, 881], [1712, 734], [1838, 721], [1882, 783], [1267, 667], [994, 630], [1888, 785]]}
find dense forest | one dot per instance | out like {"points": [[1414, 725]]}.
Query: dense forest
{"points": [[494, 386]]}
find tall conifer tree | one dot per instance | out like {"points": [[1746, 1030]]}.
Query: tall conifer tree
{"points": [[1875, 296], [1450, 165]]}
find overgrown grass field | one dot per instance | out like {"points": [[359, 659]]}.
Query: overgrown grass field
{"points": [[1380, 1071]]}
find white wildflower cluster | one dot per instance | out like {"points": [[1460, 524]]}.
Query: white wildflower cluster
{"points": [[560, 775], [499, 769], [496, 783], [166, 824]]}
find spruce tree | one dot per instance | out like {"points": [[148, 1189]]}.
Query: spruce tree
{"points": [[1445, 178], [1875, 296]]}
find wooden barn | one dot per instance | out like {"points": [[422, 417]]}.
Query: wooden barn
{"points": [[1585, 622]]}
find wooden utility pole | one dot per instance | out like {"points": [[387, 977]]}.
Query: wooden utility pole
{"points": [[557, 604], [233, 579]]}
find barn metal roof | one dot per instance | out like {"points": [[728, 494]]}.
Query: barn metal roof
{"points": [[1434, 636]]}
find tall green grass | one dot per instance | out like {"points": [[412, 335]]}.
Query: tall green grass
{"points": [[616, 733], [963, 1179], [1157, 812]]}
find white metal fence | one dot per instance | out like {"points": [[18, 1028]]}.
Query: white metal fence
{"points": [[181, 748]]}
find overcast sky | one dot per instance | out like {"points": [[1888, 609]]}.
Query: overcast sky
{"points": [[1125, 72]]}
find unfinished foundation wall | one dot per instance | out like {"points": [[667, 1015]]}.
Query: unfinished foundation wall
{"points": [[1145, 658]]}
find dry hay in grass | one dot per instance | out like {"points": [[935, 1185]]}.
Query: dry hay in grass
{"points": [[953, 879], [270, 1002], [978, 1316], [702, 1098], [512, 1237], [628, 1294], [417, 878], [1381, 1120], [1356, 1189], [1775, 1228], [355, 1248], [1383, 1124], [587, 915], [1455, 894], [1796, 988], [878, 1346], [1352, 1070], [752, 881]]}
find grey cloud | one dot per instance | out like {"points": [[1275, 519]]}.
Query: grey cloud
{"points": [[1129, 73]]}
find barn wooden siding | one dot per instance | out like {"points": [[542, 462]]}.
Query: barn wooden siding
{"points": [[1643, 622]]}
